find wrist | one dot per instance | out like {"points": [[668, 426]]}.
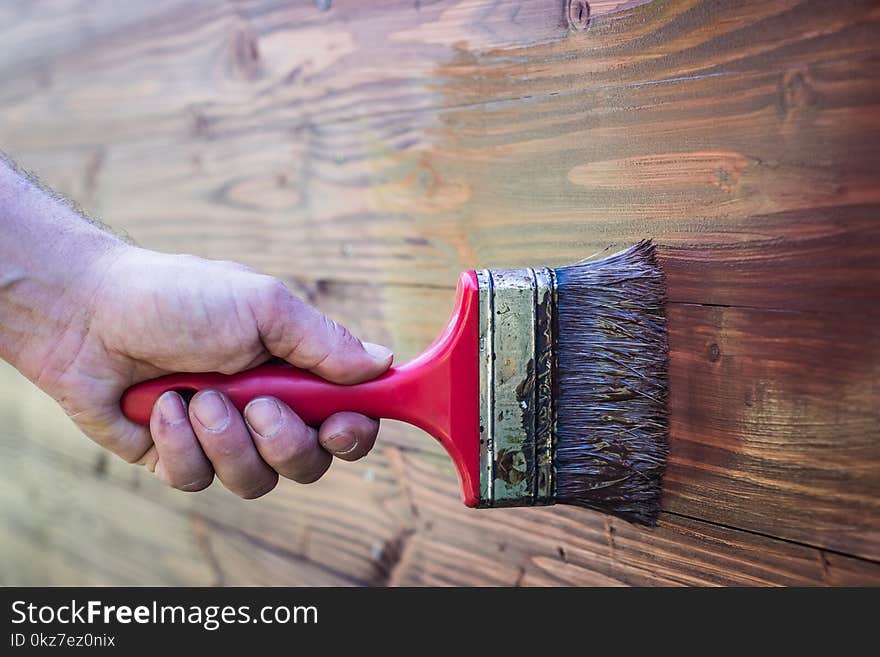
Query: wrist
{"points": [[52, 262], [46, 315]]}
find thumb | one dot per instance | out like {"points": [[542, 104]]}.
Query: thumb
{"points": [[293, 330]]}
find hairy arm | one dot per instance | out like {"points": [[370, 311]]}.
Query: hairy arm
{"points": [[84, 315], [46, 249]]}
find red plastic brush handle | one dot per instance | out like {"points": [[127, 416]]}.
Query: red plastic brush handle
{"points": [[437, 391]]}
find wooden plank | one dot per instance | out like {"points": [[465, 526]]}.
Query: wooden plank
{"points": [[775, 423], [774, 429], [573, 546], [61, 526], [117, 524], [399, 144], [822, 260], [74, 504], [690, 122], [774, 415]]}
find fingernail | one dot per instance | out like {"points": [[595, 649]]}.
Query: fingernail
{"points": [[379, 353], [341, 443], [210, 410], [264, 417], [171, 408]]}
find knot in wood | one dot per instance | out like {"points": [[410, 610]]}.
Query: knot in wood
{"points": [[578, 14]]}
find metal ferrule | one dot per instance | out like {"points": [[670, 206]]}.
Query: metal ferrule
{"points": [[517, 370]]}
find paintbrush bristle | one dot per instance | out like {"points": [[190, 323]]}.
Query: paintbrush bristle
{"points": [[612, 365]]}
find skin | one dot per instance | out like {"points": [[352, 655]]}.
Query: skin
{"points": [[84, 315]]}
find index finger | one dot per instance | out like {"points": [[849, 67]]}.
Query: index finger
{"points": [[293, 330]]}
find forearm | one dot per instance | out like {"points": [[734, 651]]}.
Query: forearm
{"points": [[49, 256]]}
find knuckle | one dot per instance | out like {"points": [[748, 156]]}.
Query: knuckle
{"points": [[310, 349], [318, 361], [227, 448], [273, 291], [341, 335], [296, 452], [272, 305], [325, 352]]}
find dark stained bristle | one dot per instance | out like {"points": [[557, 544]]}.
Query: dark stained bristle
{"points": [[612, 370]]}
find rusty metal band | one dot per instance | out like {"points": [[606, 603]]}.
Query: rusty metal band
{"points": [[517, 368]]}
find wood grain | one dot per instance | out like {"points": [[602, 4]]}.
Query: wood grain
{"points": [[775, 425], [368, 153], [763, 453], [421, 173], [73, 516], [577, 547]]}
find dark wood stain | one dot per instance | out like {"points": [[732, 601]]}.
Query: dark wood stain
{"points": [[371, 152]]}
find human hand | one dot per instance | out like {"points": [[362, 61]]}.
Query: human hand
{"points": [[137, 314]]}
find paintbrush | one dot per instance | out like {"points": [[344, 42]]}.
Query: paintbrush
{"points": [[546, 386]]}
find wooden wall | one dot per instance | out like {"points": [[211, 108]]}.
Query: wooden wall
{"points": [[369, 151]]}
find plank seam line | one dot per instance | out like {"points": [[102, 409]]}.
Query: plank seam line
{"points": [[799, 311], [671, 302], [59, 459], [772, 537]]}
